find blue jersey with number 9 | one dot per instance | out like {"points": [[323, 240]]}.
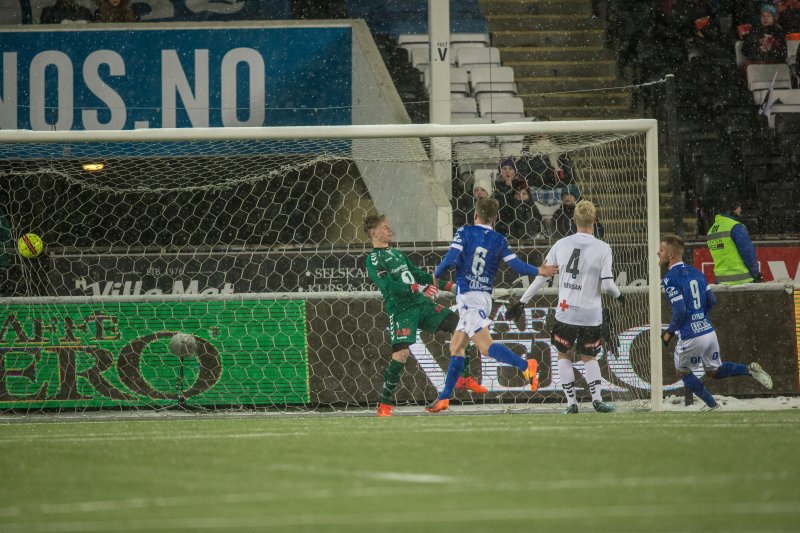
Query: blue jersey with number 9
{"points": [[481, 250], [691, 300]]}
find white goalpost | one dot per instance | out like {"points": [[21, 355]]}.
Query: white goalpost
{"points": [[248, 243]]}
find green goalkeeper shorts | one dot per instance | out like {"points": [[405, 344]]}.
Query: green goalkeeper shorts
{"points": [[427, 316]]}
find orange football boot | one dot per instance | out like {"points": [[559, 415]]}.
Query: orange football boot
{"points": [[384, 409], [471, 385], [438, 405], [532, 374]]}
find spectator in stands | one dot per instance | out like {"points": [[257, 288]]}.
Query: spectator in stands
{"points": [[507, 181], [525, 221], [789, 15], [547, 173], [506, 176], [565, 225], [115, 11], [65, 11], [563, 217], [697, 24], [481, 188], [731, 248], [766, 42]]}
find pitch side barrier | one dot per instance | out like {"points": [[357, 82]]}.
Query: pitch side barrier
{"points": [[275, 350]]}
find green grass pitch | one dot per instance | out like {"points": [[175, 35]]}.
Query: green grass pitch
{"points": [[716, 471]]}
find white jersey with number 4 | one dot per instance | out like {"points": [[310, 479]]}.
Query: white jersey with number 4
{"points": [[583, 262]]}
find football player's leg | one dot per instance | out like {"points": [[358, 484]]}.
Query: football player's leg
{"points": [[566, 375], [689, 355], [714, 366], [465, 381], [589, 343], [483, 340], [457, 345], [563, 339], [391, 377], [402, 334]]}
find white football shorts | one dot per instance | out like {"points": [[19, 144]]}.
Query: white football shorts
{"points": [[697, 352], [474, 308]]}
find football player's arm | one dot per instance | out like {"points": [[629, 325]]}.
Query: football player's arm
{"points": [[678, 313], [420, 275], [521, 267], [517, 265], [533, 288], [607, 278], [539, 281], [450, 259]]}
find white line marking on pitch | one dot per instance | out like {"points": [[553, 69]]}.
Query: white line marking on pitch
{"points": [[407, 477]]}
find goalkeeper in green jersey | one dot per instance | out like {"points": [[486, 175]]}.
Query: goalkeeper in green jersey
{"points": [[408, 294]]}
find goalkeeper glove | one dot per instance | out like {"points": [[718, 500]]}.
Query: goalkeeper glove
{"points": [[621, 299], [515, 311], [666, 337], [450, 286], [429, 291]]}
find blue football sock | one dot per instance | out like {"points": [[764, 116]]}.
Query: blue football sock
{"points": [[453, 373], [696, 386], [727, 370], [500, 353]]}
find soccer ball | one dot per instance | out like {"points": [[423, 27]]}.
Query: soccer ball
{"points": [[30, 245], [183, 345]]}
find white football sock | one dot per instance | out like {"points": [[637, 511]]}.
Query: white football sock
{"points": [[567, 377], [593, 378]]}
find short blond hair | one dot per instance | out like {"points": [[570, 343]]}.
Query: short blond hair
{"points": [[487, 210], [585, 214], [675, 242]]}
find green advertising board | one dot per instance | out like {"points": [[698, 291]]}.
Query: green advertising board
{"points": [[249, 352]]}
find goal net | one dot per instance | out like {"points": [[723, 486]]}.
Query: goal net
{"points": [[225, 268]]}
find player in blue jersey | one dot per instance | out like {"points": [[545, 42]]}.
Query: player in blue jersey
{"points": [[476, 252], [691, 301]]}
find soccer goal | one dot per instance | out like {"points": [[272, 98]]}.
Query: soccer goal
{"points": [[225, 268]]}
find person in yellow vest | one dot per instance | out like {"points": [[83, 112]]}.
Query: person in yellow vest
{"points": [[731, 248]]}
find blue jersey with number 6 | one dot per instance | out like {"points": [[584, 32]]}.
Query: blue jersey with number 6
{"points": [[482, 249], [691, 300]]}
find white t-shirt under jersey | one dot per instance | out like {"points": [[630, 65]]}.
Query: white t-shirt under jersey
{"points": [[584, 262]]}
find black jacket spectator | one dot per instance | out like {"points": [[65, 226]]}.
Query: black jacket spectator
{"points": [[65, 11], [115, 11], [766, 42]]}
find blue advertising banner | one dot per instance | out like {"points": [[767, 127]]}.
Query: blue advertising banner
{"points": [[29, 11], [142, 77]]}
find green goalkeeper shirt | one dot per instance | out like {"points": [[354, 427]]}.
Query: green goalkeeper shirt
{"points": [[393, 273]]}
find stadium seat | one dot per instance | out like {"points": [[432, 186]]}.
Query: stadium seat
{"points": [[471, 120], [413, 38], [761, 76], [471, 57], [791, 51], [464, 107], [492, 79], [459, 82], [501, 107], [473, 156], [469, 38], [737, 49], [514, 148], [420, 57]]}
